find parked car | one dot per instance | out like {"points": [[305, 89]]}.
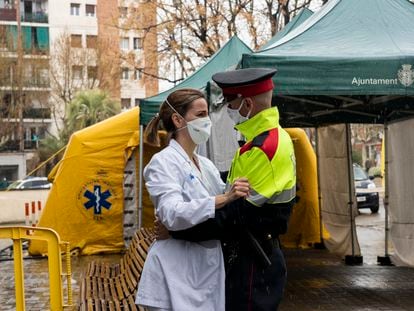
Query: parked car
{"points": [[367, 195], [30, 183]]}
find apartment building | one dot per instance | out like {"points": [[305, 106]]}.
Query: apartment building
{"points": [[104, 53], [24, 83]]}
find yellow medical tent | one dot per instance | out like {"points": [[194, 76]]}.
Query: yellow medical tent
{"points": [[86, 204], [304, 226]]}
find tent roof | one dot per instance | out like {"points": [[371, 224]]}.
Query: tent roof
{"points": [[352, 28], [352, 61], [303, 15], [229, 55]]}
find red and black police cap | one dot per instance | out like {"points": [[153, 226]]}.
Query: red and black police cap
{"points": [[245, 82]]}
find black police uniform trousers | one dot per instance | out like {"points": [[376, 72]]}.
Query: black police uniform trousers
{"points": [[251, 283]]}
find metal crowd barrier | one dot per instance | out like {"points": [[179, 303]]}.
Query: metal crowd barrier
{"points": [[20, 233]]}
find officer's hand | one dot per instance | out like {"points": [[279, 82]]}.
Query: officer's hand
{"points": [[161, 233], [239, 189]]}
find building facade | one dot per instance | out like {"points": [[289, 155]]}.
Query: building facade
{"points": [[50, 49]]}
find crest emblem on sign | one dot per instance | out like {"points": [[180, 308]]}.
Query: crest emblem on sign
{"points": [[406, 75]]}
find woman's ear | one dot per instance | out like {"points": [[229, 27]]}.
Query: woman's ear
{"points": [[177, 120]]}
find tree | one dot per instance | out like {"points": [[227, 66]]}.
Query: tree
{"points": [[368, 136], [6, 110], [89, 107], [74, 68], [190, 32], [86, 108]]}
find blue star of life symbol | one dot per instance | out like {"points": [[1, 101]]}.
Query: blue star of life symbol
{"points": [[97, 199]]}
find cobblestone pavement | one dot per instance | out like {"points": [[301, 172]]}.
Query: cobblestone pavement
{"points": [[317, 280]]}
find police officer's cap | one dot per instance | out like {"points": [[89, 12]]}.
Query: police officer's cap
{"points": [[245, 82]]}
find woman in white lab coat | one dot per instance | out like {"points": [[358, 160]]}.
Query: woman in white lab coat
{"points": [[186, 189]]}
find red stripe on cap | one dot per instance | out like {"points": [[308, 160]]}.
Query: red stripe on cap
{"points": [[250, 89]]}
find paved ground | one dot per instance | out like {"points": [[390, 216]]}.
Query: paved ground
{"points": [[317, 280], [371, 233], [320, 281]]}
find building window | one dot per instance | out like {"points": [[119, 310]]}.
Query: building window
{"points": [[90, 10], [125, 103], [74, 9], [92, 72], [76, 41], [91, 41], [43, 76], [8, 4], [125, 74], [77, 72], [137, 43], [124, 43], [137, 102], [137, 74], [123, 11]]}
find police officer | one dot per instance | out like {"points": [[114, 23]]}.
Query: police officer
{"points": [[249, 228]]}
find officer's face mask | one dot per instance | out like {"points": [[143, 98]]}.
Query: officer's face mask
{"points": [[235, 115], [199, 129]]}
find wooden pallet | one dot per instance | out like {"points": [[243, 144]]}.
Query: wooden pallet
{"points": [[113, 287]]}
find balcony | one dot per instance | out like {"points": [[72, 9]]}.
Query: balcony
{"points": [[36, 82], [38, 17], [7, 14], [9, 145], [14, 145], [37, 113], [35, 39], [30, 85]]}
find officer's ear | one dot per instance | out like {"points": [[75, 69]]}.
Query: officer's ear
{"points": [[248, 103]]}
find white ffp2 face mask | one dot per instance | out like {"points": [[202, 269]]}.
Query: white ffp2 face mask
{"points": [[235, 115], [199, 129]]}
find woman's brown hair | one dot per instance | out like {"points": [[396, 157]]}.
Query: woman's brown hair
{"points": [[181, 101]]}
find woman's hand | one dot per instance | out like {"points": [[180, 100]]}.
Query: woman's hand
{"points": [[239, 189], [161, 233]]}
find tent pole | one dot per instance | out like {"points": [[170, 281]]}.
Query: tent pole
{"points": [[140, 168], [385, 260], [351, 259], [319, 245], [350, 201]]}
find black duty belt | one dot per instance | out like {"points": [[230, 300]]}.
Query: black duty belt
{"points": [[274, 241]]}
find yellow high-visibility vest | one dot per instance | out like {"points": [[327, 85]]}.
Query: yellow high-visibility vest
{"points": [[267, 159]]}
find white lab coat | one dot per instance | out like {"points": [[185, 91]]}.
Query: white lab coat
{"points": [[182, 275]]}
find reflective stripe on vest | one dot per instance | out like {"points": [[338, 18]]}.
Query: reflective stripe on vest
{"points": [[281, 197]]}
